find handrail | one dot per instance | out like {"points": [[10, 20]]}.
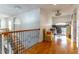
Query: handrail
{"points": [[18, 39], [3, 28], [19, 31]]}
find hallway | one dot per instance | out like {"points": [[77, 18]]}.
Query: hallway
{"points": [[48, 48], [39, 29]]}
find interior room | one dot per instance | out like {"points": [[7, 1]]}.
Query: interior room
{"points": [[39, 29]]}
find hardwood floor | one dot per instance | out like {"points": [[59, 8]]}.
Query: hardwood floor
{"points": [[48, 48]]}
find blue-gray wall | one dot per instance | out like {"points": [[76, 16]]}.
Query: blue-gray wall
{"points": [[29, 20]]}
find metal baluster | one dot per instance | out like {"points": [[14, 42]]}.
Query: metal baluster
{"points": [[24, 36], [29, 37], [11, 43], [7, 48], [25, 44], [22, 43], [17, 42], [19, 38]]}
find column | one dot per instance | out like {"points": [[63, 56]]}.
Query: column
{"points": [[74, 30], [78, 27]]}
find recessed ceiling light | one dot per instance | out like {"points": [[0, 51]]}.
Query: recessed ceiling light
{"points": [[18, 7], [54, 4]]}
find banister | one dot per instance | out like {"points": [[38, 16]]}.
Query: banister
{"points": [[19, 39], [19, 31]]}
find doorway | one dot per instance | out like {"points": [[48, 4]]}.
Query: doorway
{"points": [[62, 34]]}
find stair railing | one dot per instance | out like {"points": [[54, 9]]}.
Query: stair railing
{"points": [[16, 42]]}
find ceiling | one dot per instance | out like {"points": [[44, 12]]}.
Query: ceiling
{"points": [[15, 9], [65, 9]]}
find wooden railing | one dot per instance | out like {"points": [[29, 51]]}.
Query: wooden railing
{"points": [[19, 41]]}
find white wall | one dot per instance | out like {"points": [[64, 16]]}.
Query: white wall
{"points": [[45, 22], [62, 19]]}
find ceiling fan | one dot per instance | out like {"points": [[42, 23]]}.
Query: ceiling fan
{"points": [[58, 13]]}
